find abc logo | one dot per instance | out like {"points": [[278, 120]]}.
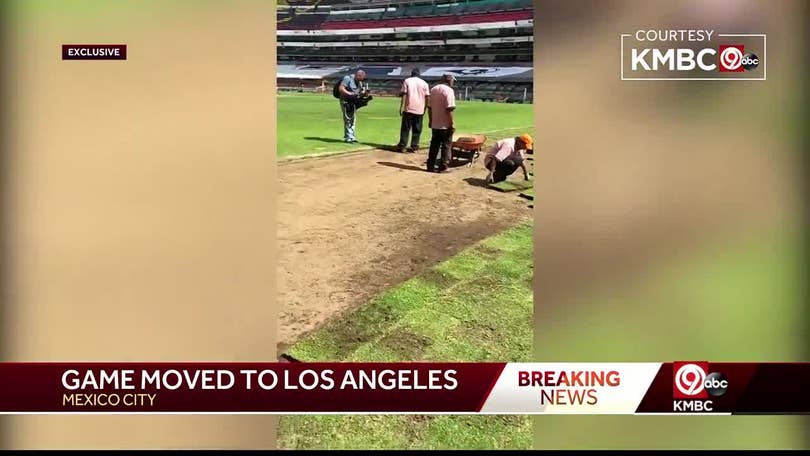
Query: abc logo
{"points": [[691, 380], [732, 58], [750, 61], [716, 384]]}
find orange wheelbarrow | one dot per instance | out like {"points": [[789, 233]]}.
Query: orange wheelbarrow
{"points": [[467, 148]]}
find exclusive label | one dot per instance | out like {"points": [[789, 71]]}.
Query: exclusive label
{"points": [[94, 52]]}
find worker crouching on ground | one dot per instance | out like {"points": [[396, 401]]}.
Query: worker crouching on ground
{"points": [[506, 156]]}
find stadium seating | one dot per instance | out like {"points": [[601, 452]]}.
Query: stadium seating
{"points": [[387, 61], [510, 92], [442, 53], [307, 21], [474, 59], [503, 16], [411, 15], [302, 2], [446, 9], [375, 16]]}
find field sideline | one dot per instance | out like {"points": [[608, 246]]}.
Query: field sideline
{"points": [[311, 124]]}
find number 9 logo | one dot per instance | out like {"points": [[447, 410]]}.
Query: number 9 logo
{"points": [[689, 379]]}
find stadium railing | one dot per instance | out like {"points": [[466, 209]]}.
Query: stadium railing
{"points": [[446, 8], [469, 90], [402, 16], [440, 48], [429, 21]]}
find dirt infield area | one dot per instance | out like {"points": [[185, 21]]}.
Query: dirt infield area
{"points": [[352, 226]]}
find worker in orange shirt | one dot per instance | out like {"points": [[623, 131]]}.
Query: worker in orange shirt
{"points": [[506, 156]]}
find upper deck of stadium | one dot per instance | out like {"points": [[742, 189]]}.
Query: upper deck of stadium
{"points": [[487, 44], [333, 16]]}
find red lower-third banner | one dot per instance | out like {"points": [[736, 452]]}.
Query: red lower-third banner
{"points": [[396, 388]]}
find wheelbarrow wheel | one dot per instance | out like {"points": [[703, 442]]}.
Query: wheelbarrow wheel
{"points": [[476, 154]]}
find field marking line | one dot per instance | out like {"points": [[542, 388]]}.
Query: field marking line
{"points": [[295, 158]]}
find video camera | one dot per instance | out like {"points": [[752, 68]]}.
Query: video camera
{"points": [[362, 98]]}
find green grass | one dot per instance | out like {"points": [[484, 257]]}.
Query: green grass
{"points": [[512, 185], [310, 124], [476, 306], [737, 302]]}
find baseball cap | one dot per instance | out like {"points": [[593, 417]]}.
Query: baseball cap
{"points": [[527, 140]]}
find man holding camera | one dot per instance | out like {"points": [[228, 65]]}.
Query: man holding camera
{"points": [[351, 90]]}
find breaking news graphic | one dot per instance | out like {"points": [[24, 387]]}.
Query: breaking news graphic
{"points": [[405, 388]]}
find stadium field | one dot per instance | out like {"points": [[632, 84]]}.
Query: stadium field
{"points": [[311, 124], [382, 261], [476, 306]]}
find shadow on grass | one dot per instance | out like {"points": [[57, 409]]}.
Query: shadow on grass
{"points": [[386, 147], [326, 140]]}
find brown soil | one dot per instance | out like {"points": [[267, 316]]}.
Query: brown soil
{"points": [[353, 226]]}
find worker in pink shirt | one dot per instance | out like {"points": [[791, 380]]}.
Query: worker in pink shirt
{"points": [[506, 156], [415, 93], [442, 125]]}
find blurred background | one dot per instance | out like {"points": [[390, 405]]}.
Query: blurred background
{"points": [[670, 214]]}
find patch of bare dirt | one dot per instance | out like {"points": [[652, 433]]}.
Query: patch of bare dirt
{"points": [[353, 226]]}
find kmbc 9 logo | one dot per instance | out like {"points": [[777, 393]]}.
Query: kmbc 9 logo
{"points": [[694, 381], [733, 59]]}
